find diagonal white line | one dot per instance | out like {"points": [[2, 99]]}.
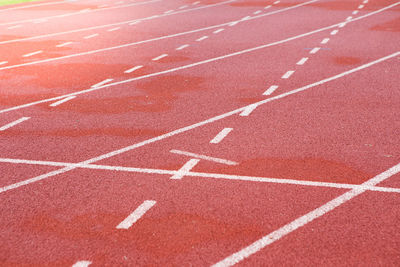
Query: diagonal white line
{"points": [[136, 215], [204, 157], [12, 124], [185, 169]]}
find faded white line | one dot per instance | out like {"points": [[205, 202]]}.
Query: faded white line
{"points": [[182, 47], [202, 38], [133, 69], [64, 44], [169, 11], [349, 18], [14, 27], [136, 214], [288, 74], [334, 32], [271, 89], [355, 12], [40, 21], [102, 6], [221, 135], [185, 169], [267, 7], [102, 83], [360, 6], [3, 62], [247, 111], [82, 264], [365, 2], [315, 50], [33, 53], [218, 31], [325, 40], [195, 3], [302, 61], [134, 23], [276, 2], [12, 124], [159, 57], [62, 101], [91, 36], [341, 25], [182, 7], [257, 12], [114, 29], [204, 157]]}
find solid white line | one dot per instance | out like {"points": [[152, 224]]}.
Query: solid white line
{"points": [[248, 111], [302, 61], [202, 38], [82, 264], [91, 36], [133, 69], [185, 169], [233, 23], [33, 53], [355, 12], [182, 47], [62, 101], [36, 5], [360, 6], [303, 220], [271, 89], [3, 62], [341, 25], [198, 156], [11, 124], [257, 12], [349, 18], [64, 44], [246, 18], [315, 50], [136, 215], [324, 41], [102, 83], [218, 31], [159, 57], [221, 135], [135, 22], [14, 27], [288, 74], [114, 29], [334, 32]]}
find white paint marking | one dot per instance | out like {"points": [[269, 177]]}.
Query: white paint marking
{"points": [[257, 12], [334, 32], [349, 18], [218, 31], [114, 29], [33, 53], [248, 110], [303, 220], [84, 10], [14, 27], [202, 38], [134, 23], [3, 62], [82, 264], [12, 124], [341, 25], [196, 3], [315, 50], [119, 3], [271, 89], [62, 101], [40, 21], [221, 135], [159, 57], [182, 47], [355, 12], [64, 44], [182, 7], [246, 18], [233, 23], [91, 36], [288, 74], [326, 40], [198, 156], [185, 169], [102, 6], [302, 61], [267, 7], [133, 69], [365, 2], [276, 2], [136, 215], [169, 11], [360, 6], [101, 83]]}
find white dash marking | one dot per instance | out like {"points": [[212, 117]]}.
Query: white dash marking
{"points": [[159, 57], [62, 101], [355, 12], [198, 156], [218, 31], [326, 40], [82, 264], [182, 47], [91, 36], [233, 23], [365, 2], [315, 50], [84, 10], [196, 3], [334, 32], [245, 18], [341, 25], [136, 215], [14, 27], [33, 53], [11, 124], [3, 62], [134, 23], [101, 83], [267, 7], [302, 61], [221, 135], [114, 29], [288, 74], [185, 169], [248, 110], [276, 2], [257, 12], [169, 11], [271, 89], [182, 7], [64, 44], [102, 6], [202, 38], [360, 6], [349, 18], [133, 69], [40, 21], [119, 3]]}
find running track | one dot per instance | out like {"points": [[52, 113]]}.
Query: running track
{"points": [[182, 132]]}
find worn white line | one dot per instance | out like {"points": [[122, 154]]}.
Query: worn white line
{"points": [[355, 12], [303, 220], [198, 156], [245, 18], [334, 32], [3, 62], [218, 31], [12, 124], [159, 57], [341, 25], [276, 2], [221, 135], [133, 69], [360, 6], [91, 36], [102, 83], [202, 38], [185, 169], [233, 23], [102, 6], [40, 21], [119, 3], [134, 22], [82, 264], [257, 12], [84, 10], [349, 18], [35, 5], [62, 101], [247, 111], [33, 53], [64, 44], [302, 61], [182, 7], [14, 27], [315, 50], [325, 40], [288, 74], [267, 7], [169, 11], [196, 3], [182, 47], [271, 89], [365, 2], [114, 29], [136, 214]]}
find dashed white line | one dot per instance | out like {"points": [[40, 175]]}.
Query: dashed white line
{"points": [[133, 69], [134, 23], [64, 44], [288, 74], [248, 110], [360, 6], [271, 89], [91, 36], [114, 29], [349, 18], [198, 156], [246, 18], [159, 57], [3, 62], [202, 38], [218, 31], [365, 2], [102, 83], [257, 12], [12, 124], [136, 214], [324, 41], [267, 7], [341, 25], [185, 169], [355, 12], [276, 2], [182, 47], [82, 264], [221, 135], [315, 50], [33, 53], [302, 61], [233, 23], [62, 101], [182, 7], [334, 32], [169, 11], [14, 27]]}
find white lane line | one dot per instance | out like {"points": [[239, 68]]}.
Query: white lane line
{"points": [[14, 27], [303, 220], [12, 124], [40, 21], [36, 5], [218, 31], [136, 214], [276, 2], [334, 32], [365, 2], [360, 6], [133, 69], [341, 25], [159, 57], [102, 6], [355, 12], [3, 62], [257, 12], [91, 36], [82, 264], [302, 61], [267, 7], [114, 29], [185, 169], [233, 23], [288, 74], [182, 7], [102, 83], [62, 101], [182, 47], [221, 135], [315, 50], [134, 22], [169, 11], [246, 18], [199, 175], [271, 89], [198, 156], [349, 18], [33, 53], [248, 110], [64, 44], [325, 40], [202, 38], [84, 10]]}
